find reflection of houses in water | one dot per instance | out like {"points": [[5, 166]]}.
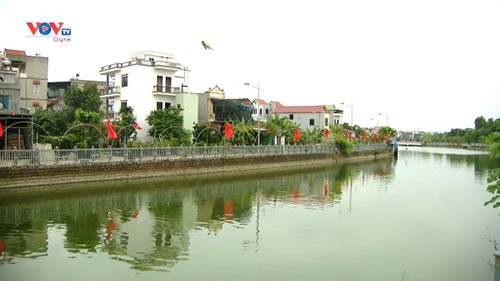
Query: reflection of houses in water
{"points": [[149, 227]]}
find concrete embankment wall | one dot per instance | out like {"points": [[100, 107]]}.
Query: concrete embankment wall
{"points": [[17, 177]]}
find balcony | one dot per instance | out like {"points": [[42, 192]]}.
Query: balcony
{"points": [[110, 92], [110, 68], [166, 90]]}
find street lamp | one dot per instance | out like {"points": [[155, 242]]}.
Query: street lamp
{"points": [[258, 110], [352, 113], [386, 119]]}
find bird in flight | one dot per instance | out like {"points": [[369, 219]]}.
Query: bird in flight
{"points": [[206, 46]]}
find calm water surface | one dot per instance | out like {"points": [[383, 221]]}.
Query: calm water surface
{"points": [[418, 218]]}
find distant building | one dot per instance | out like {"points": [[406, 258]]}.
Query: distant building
{"points": [[307, 117], [336, 114], [148, 81], [261, 110], [56, 91]]}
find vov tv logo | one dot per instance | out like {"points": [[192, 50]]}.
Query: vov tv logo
{"points": [[52, 30]]}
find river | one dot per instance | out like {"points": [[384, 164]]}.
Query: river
{"points": [[420, 217]]}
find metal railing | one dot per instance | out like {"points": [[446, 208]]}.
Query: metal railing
{"points": [[38, 157]]}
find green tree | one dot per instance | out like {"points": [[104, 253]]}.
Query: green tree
{"points": [[245, 133], [167, 126], [207, 134], [276, 126], [493, 141], [87, 128], [86, 98], [124, 127]]}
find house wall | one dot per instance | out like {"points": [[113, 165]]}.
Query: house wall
{"points": [[189, 102], [303, 119], [36, 69], [203, 108]]}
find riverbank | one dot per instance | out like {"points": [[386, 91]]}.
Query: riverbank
{"points": [[22, 177]]}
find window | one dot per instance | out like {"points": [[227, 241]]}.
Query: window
{"points": [[4, 100], [159, 83], [291, 117], [159, 105], [167, 105], [326, 122], [36, 89], [254, 111], [311, 122], [123, 104], [168, 84], [125, 80], [267, 111]]}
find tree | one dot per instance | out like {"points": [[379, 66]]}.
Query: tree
{"points": [[167, 124], [494, 179], [86, 98], [124, 126], [276, 126], [245, 132]]}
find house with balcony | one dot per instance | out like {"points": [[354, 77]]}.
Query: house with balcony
{"points": [[307, 117], [23, 88], [148, 81], [261, 110], [335, 114], [31, 75]]}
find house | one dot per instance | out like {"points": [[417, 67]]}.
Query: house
{"points": [[336, 114], [23, 87], [206, 100], [56, 90], [31, 74], [261, 110], [148, 81], [307, 117]]}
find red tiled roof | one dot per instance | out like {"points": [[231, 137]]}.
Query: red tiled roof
{"points": [[300, 109], [262, 102], [277, 103], [14, 52]]}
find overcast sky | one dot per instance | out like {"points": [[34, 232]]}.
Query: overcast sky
{"points": [[429, 65]]}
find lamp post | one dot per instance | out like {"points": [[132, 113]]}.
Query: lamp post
{"points": [[258, 110], [352, 113], [386, 119]]}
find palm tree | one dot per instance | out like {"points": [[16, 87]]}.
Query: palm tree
{"points": [[244, 132]]}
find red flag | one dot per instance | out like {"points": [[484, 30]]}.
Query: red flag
{"points": [[296, 134], [1, 130], [136, 126], [228, 130], [326, 134], [111, 131]]}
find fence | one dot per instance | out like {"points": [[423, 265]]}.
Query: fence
{"points": [[37, 157]]}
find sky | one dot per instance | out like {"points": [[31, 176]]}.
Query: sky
{"points": [[427, 65]]}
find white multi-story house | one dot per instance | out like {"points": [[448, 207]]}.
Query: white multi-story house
{"points": [[261, 110], [148, 81], [307, 117]]}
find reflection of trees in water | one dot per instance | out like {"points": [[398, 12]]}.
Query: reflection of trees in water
{"points": [[147, 223]]}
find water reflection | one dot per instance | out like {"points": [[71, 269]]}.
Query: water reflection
{"points": [[147, 224]]}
